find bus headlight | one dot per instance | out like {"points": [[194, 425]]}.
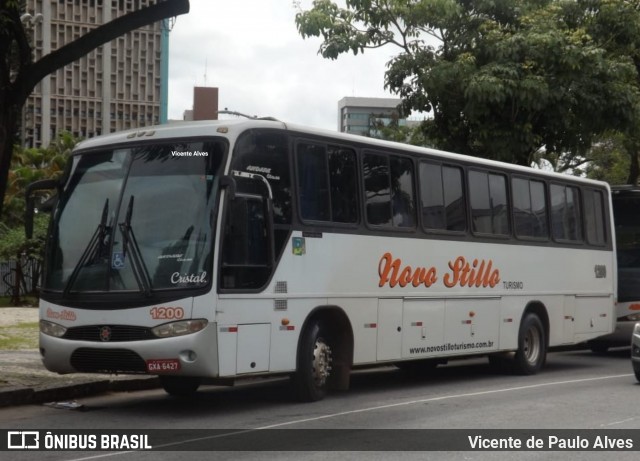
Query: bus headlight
{"points": [[52, 329], [181, 328]]}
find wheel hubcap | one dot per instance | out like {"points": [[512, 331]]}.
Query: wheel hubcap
{"points": [[321, 362], [532, 345]]}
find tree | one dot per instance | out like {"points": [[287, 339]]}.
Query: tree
{"points": [[503, 79], [19, 73], [23, 252], [616, 24], [609, 160], [27, 166]]}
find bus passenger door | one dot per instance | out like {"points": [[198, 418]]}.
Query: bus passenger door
{"points": [[423, 327], [389, 341]]}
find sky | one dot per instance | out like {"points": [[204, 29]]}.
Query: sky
{"points": [[252, 51]]}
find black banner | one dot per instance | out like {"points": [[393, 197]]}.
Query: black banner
{"points": [[321, 440]]}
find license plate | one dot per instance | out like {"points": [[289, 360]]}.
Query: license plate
{"points": [[163, 365]]}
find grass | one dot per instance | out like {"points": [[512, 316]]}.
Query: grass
{"points": [[20, 336], [27, 301]]}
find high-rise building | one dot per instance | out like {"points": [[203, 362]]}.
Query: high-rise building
{"points": [[120, 85], [364, 116]]}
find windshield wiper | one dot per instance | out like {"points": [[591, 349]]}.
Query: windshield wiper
{"points": [[140, 271], [95, 248]]}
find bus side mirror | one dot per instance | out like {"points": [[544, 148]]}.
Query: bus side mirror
{"points": [[229, 184], [44, 184]]}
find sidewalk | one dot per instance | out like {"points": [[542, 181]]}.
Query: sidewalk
{"points": [[24, 380]]}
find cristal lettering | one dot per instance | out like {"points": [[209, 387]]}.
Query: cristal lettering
{"points": [[177, 278]]}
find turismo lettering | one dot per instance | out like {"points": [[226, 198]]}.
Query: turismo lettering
{"points": [[477, 273]]}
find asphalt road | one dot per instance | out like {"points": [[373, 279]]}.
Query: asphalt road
{"points": [[577, 390]]}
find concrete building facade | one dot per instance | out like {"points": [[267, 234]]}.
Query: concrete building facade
{"points": [[363, 115], [118, 86]]}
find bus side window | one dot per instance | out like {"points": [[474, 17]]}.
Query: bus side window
{"points": [[566, 220], [388, 182], [488, 197], [313, 181], [441, 197], [594, 217], [529, 208]]}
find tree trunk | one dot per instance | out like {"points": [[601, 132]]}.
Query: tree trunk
{"points": [[17, 283]]}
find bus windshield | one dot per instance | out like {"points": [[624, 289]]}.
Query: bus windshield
{"points": [[136, 219]]}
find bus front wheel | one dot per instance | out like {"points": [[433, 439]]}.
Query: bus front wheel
{"points": [[532, 346], [314, 364], [180, 386]]}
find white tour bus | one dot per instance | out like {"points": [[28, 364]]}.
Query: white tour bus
{"points": [[235, 249], [626, 216]]}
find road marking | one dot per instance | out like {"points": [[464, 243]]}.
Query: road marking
{"points": [[615, 423], [444, 397], [368, 409]]}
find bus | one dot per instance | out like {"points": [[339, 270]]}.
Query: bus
{"points": [[221, 250], [626, 216]]}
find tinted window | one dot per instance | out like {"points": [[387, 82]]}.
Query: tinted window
{"points": [[566, 222], [594, 217], [441, 197], [313, 182], [343, 182], [488, 197], [389, 196], [377, 189], [327, 181], [266, 153], [402, 192], [529, 208]]}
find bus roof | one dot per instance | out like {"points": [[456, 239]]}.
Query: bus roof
{"points": [[232, 128]]}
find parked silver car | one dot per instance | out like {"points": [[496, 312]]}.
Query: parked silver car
{"points": [[635, 350]]}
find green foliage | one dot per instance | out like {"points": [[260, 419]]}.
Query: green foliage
{"points": [[29, 165], [503, 79], [609, 160], [15, 246]]}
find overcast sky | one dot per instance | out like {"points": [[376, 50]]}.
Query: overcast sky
{"points": [[251, 51]]}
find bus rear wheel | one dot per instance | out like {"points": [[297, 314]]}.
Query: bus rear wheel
{"points": [[180, 386], [310, 381], [532, 346]]}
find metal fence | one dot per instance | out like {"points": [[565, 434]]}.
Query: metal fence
{"points": [[8, 277]]}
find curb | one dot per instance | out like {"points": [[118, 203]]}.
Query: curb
{"points": [[14, 396]]}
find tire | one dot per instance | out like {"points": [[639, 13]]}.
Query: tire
{"points": [[314, 364], [180, 386], [532, 346], [636, 371]]}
